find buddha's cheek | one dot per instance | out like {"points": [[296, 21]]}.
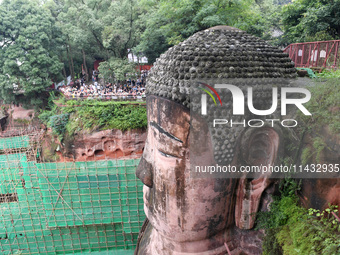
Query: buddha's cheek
{"points": [[186, 209]]}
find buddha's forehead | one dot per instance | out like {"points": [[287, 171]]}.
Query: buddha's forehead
{"points": [[170, 116]]}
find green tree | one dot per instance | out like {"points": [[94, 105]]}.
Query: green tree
{"points": [[117, 69], [311, 20], [82, 24], [123, 27], [28, 58], [170, 22], [97, 29]]}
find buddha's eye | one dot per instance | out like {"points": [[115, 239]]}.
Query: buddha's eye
{"points": [[166, 155]]}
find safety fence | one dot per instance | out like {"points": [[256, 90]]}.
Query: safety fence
{"points": [[322, 54], [108, 98]]}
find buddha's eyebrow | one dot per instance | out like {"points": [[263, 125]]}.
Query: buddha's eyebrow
{"points": [[161, 130]]}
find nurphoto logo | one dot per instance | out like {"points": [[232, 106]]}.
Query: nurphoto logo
{"points": [[238, 103]]}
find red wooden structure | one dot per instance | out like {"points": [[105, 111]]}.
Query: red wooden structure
{"points": [[143, 67], [96, 64], [323, 54]]}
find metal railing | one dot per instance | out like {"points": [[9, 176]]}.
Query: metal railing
{"points": [[108, 97], [321, 54]]}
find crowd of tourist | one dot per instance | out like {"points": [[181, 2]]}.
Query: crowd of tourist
{"points": [[130, 88]]}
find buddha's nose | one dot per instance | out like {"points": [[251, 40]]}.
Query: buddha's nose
{"points": [[144, 172]]}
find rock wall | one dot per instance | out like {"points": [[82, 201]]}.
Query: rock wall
{"points": [[16, 116], [319, 193], [3, 118], [106, 144], [20, 113]]}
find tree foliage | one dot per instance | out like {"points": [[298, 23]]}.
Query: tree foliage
{"points": [[116, 69], [170, 22], [311, 20], [122, 27], [44, 40], [292, 229], [28, 56]]}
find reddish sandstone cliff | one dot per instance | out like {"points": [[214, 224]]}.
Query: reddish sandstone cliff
{"points": [[106, 144]]}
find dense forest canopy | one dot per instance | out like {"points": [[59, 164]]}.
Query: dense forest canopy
{"points": [[44, 41]]}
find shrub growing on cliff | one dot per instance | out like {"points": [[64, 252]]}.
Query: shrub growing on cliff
{"points": [[94, 115], [324, 106], [58, 124], [108, 116], [310, 232], [294, 230]]}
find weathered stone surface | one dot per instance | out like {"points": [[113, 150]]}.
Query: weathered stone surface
{"points": [[218, 55], [106, 144], [16, 116], [20, 113], [218, 52], [3, 118], [246, 242], [319, 193], [197, 215]]}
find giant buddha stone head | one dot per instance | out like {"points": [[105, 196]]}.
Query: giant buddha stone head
{"points": [[193, 214]]}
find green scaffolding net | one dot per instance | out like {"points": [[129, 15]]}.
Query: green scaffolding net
{"points": [[10, 166], [14, 142], [69, 208]]}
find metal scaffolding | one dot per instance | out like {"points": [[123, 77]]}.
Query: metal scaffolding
{"points": [[66, 208]]}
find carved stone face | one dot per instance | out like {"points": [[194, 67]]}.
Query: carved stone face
{"points": [[186, 213], [196, 215], [180, 207]]}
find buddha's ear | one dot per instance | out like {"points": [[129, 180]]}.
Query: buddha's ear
{"points": [[259, 146]]}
